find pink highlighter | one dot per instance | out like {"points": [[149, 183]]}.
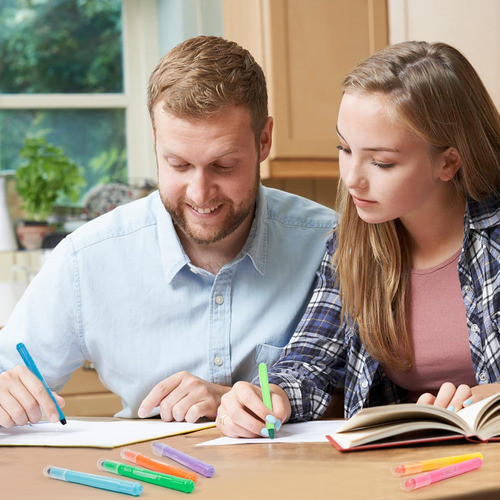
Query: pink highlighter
{"points": [[412, 483]]}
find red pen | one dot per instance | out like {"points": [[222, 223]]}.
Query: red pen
{"points": [[412, 483], [156, 465]]}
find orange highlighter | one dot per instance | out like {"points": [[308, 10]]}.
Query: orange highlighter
{"points": [[156, 465]]}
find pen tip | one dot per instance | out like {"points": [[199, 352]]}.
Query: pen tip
{"points": [[271, 433], [63, 421]]}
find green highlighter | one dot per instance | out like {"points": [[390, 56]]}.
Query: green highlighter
{"points": [[158, 478], [266, 395]]}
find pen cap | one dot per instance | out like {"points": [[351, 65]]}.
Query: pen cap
{"points": [[129, 455], [54, 472], [108, 465], [157, 448]]}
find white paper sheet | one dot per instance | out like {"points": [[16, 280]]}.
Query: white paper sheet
{"points": [[94, 434], [303, 432]]}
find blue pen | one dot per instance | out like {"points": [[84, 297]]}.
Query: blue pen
{"points": [[28, 361], [104, 483]]}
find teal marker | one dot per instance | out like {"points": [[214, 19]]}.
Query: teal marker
{"points": [[28, 361], [148, 476], [266, 395], [104, 483]]}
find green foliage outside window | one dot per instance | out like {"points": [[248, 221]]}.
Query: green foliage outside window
{"points": [[46, 175], [61, 47]]}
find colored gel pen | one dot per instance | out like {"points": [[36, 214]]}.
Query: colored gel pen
{"points": [[192, 463], [156, 465], [165, 480], [28, 361], [266, 395], [433, 464], [421, 480], [95, 481]]}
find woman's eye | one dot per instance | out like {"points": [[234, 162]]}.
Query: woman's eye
{"points": [[382, 165], [344, 150]]}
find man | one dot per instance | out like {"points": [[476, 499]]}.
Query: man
{"points": [[176, 296]]}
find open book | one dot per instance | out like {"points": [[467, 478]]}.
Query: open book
{"points": [[392, 425]]}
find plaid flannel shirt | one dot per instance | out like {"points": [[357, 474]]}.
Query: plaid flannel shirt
{"points": [[326, 352]]}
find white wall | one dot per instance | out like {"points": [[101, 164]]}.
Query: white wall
{"points": [[179, 20], [471, 26]]}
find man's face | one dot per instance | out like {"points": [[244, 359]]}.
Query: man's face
{"points": [[208, 171]]}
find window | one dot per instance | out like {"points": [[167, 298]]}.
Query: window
{"points": [[76, 72]]}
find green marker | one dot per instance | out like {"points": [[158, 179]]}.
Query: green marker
{"points": [[266, 395], [158, 478]]}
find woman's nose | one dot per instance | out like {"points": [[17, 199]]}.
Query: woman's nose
{"points": [[353, 174]]}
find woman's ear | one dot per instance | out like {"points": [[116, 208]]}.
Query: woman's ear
{"points": [[451, 163]]}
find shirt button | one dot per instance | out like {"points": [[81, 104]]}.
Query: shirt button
{"points": [[219, 299], [218, 361], [364, 384], [475, 328], [483, 377], [467, 289]]}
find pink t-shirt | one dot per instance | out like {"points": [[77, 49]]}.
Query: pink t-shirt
{"points": [[438, 332]]}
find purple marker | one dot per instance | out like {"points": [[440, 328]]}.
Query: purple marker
{"points": [[161, 449]]}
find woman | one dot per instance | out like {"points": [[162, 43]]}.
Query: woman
{"points": [[391, 318]]}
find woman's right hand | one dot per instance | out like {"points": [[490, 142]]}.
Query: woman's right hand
{"points": [[242, 412]]}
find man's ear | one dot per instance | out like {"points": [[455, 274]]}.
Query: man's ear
{"points": [[452, 162], [266, 139]]}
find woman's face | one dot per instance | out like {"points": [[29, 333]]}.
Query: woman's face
{"points": [[388, 170]]}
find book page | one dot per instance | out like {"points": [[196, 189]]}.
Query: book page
{"points": [[483, 416], [378, 433], [409, 413], [94, 434]]}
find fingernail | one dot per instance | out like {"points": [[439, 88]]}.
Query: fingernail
{"points": [[271, 419], [277, 424], [264, 432], [451, 408], [54, 418], [468, 402], [142, 412]]}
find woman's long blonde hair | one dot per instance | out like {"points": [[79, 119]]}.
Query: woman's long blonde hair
{"points": [[437, 94]]}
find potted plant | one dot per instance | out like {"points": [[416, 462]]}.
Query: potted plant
{"points": [[46, 175]]}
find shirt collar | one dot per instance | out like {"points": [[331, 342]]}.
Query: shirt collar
{"points": [[174, 258], [481, 215]]}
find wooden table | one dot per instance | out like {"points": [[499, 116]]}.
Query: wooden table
{"points": [[256, 471]]}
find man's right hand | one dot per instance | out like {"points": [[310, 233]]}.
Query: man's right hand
{"points": [[23, 398]]}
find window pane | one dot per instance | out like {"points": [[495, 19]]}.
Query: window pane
{"points": [[60, 46], [93, 138]]}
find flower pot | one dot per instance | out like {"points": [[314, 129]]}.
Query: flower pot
{"points": [[31, 234]]}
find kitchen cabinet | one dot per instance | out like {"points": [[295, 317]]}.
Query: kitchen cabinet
{"points": [[305, 49]]}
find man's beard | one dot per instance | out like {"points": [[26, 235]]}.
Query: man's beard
{"points": [[204, 234]]}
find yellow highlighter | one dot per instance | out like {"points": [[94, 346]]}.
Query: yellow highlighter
{"points": [[426, 465]]}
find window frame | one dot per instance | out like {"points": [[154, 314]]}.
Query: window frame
{"points": [[140, 56]]}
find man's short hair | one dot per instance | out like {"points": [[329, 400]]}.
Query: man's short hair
{"points": [[203, 75]]}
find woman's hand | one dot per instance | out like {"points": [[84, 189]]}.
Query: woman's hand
{"points": [[455, 398], [242, 412]]}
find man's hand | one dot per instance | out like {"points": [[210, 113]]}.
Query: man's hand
{"points": [[23, 398], [183, 396]]}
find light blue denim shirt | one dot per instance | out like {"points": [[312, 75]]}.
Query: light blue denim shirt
{"points": [[121, 292]]}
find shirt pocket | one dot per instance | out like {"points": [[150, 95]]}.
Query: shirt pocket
{"points": [[266, 353]]}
